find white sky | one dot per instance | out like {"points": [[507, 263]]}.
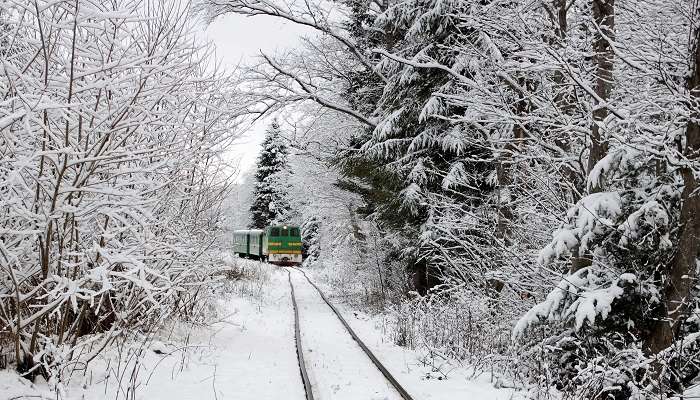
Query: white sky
{"points": [[238, 40]]}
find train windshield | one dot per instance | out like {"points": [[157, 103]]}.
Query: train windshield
{"points": [[284, 232]]}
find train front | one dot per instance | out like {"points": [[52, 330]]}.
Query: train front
{"points": [[283, 245]]}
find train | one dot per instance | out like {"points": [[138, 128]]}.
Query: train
{"points": [[277, 244]]}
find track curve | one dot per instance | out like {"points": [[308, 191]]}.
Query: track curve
{"points": [[307, 386]]}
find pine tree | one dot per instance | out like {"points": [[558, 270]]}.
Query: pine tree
{"points": [[270, 203]]}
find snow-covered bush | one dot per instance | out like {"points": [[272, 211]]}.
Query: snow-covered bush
{"points": [[249, 278], [457, 325], [112, 122]]}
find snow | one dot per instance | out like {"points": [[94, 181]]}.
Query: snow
{"points": [[456, 174], [386, 127], [562, 241], [549, 309], [593, 303], [248, 354], [14, 387], [589, 218], [651, 213], [411, 194], [419, 379], [588, 300], [433, 106], [338, 369], [595, 212], [619, 160], [602, 168]]}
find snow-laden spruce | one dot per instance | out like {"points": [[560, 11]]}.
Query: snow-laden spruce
{"points": [[270, 203]]}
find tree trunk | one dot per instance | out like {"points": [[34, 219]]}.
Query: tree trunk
{"points": [[506, 194], [604, 18], [681, 272], [565, 101], [504, 173]]}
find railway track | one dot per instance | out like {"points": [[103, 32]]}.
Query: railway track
{"points": [[299, 346]]}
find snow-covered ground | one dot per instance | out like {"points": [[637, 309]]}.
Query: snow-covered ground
{"points": [[338, 369], [454, 381], [422, 379], [249, 354]]}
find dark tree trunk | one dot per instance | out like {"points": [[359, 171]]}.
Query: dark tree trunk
{"points": [[504, 172], [565, 101], [681, 272], [604, 18]]}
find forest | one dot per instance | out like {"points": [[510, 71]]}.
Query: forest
{"points": [[508, 185]]}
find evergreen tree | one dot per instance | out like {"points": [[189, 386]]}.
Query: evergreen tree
{"points": [[418, 156], [310, 231], [270, 203]]}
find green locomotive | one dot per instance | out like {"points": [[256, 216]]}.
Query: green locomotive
{"points": [[280, 244]]}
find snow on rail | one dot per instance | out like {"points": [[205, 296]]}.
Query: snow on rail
{"points": [[385, 372]]}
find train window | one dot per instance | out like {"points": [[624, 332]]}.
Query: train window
{"points": [[285, 232], [275, 232], [294, 232]]}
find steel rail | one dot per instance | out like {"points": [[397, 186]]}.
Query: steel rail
{"points": [[395, 383], [297, 340]]}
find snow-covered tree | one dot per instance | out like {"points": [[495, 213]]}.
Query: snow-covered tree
{"points": [[483, 127], [270, 202], [111, 184], [624, 319]]}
